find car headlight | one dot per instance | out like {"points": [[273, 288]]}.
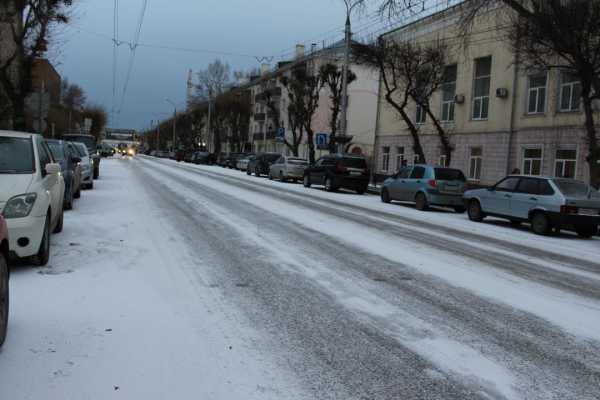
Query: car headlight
{"points": [[19, 206]]}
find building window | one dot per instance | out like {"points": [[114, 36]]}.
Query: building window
{"points": [[399, 158], [565, 163], [475, 163], [532, 161], [443, 161], [385, 159], [421, 116], [536, 103], [449, 93], [570, 92], [481, 87]]}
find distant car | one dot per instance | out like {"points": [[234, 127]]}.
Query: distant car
{"points": [[261, 163], [90, 143], [288, 167], [547, 203], [201, 157], [232, 159], [187, 157], [339, 171], [87, 167], [179, 155], [4, 276], [105, 150], [31, 194], [243, 162], [426, 186], [65, 154]]}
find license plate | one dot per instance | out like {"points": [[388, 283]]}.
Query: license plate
{"points": [[588, 211]]}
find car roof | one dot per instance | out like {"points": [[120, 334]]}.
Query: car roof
{"points": [[16, 134], [531, 176]]}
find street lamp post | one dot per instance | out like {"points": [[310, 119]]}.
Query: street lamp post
{"points": [[350, 6], [174, 123]]}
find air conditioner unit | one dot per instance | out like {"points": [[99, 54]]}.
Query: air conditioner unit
{"points": [[459, 99], [502, 93]]}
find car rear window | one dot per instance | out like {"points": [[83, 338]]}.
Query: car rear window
{"points": [[16, 156], [573, 188], [449, 174], [354, 162], [272, 157]]}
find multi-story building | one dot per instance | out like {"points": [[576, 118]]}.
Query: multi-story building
{"points": [[500, 116], [9, 19], [267, 120]]}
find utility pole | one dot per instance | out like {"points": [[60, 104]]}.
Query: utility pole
{"points": [[350, 5], [208, 130], [174, 123]]}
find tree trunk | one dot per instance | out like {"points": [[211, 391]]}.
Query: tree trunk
{"points": [[414, 133], [443, 135], [593, 157], [311, 145]]}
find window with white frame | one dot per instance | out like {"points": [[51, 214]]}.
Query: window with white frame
{"points": [[399, 157], [536, 102], [570, 92], [565, 163], [443, 160], [481, 87], [449, 93], [385, 158], [421, 116], [532, 161], [475, 163]]}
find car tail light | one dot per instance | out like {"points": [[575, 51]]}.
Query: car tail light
{"points": [[339, 167], [568, 210], [432, 183]]}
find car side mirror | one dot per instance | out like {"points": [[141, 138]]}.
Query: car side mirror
{"points": [[76, 160], [52, 169]]}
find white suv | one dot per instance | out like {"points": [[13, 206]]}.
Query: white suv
{"points": [[31, 194]]}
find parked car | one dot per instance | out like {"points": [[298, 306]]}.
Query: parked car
{"points": [[31, 194], [339, 171], [4, 276], [105, 150], [66, 155], [222, 160], [426, 185], [547, 203], [189, 154], [261, 163], [201, 157], [288, 167], [243, 162], [232, 159], [87, 168], [90, 143]]}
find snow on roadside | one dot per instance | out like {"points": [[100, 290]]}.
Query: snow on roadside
{"points": [[118, 315], [565, 244]]}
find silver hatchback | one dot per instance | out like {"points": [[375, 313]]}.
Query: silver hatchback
{"points": [[288, 168], [547, 203]]}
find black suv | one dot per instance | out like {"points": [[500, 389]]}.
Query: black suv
{"points": [[339, 171], [261, 163]]}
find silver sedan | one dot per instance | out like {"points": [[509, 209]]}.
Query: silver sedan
{"points": [[288, 168]]}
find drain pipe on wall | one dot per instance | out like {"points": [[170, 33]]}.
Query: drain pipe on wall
{"points": [[513, 110]]}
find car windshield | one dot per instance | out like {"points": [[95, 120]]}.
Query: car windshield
{"points": [[81, 149], [57, 151], [573, 188], [449, 174], [354, 162], [88, 141], [16, 156], [297, 161]]}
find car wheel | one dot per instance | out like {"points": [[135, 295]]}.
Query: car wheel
{"points": [[460, 209], [59, 225], [281, 177], [421, 202], [43, 255], [306, 181], [329, 185], [361, 191], [257, 172], [248, 172], [270, 176], [475, 212], [385, 196], [540, 223], [4, 289], [586, 231]]}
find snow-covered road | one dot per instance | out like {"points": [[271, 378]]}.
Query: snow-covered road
{"points": [[175, 281]]}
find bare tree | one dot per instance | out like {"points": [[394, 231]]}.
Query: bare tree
{"points": [[332, 77], [398, 78], [236, 108], [99, 117], [29, 24], [73, 99], [303, 91]]}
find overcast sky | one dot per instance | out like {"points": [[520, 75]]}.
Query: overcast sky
{"points": [[245, 27]]}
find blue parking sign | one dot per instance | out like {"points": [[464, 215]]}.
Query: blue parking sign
{"points": [[322, 141]]}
